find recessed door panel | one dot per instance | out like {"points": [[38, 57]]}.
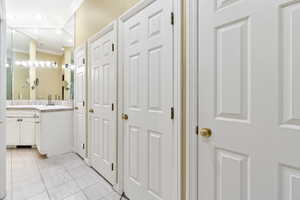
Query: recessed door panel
{"points": [[232, 70], [134, 153], [231, 175], [290, 61], [289, 182]]}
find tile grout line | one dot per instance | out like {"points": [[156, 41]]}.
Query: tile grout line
{"points": [[11, 176], [12, 180], [42, 178], [73, 178]]}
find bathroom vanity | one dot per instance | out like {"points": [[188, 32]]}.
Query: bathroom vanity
{"points": [[48, 128]]}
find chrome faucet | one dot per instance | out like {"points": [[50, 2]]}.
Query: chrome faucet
{"points": [[50, 103]]}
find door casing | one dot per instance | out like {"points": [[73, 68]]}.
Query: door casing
{"points": [[177, 5], [2, 99], [192, 97]]}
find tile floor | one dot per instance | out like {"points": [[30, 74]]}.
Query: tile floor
{"points": [[65, 177]]}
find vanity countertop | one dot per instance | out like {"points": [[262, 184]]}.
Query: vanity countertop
{"points": [[40, 108]]}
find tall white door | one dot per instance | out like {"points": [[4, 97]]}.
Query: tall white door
{"points": [[80, 96], [148, 101], [2, 99], [249, 96], [103, 111]]}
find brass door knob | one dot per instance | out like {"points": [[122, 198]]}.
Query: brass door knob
{"points": [[91, 110], [76, 108], [125, 116], [205, 132]]}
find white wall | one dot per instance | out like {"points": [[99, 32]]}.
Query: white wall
{"points": [[2, 101]]}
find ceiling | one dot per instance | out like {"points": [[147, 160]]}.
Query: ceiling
{"points": [[50, 22]]}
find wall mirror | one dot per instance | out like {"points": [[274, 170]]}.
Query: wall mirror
{"points": [[40, 63]]}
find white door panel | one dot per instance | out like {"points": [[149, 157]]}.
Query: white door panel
{"points": [[249, 97], [80, 96], [103, 102], [148, 100]]}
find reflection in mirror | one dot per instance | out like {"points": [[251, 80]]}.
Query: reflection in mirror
{"points": [[9, 71], [40, 63]]}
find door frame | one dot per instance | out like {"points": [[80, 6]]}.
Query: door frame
{"points": [[192, 97], [80, 48], [177, 6], [2, 98], [112, 26]]}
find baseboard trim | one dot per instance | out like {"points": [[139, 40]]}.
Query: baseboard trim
{"points": [[117, 188], [87, 161]]}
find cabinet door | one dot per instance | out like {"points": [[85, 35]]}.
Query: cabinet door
{"points": [[12, 131], [27, 133]]}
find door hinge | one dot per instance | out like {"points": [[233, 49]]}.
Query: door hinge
{"points": [[112, 107], [172, 18], [112, 166], [197, 130], [83, 103], [83, 61], [172, 113], [113, 47], [83, 146]]}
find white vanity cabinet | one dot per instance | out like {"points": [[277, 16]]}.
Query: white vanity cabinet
{"points": [[48, 128], [21, 128]]}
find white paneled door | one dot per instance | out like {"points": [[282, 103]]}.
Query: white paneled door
{"points": [[3, 50], [147, 56], [103, 98], [249, 97], [79, 100]]}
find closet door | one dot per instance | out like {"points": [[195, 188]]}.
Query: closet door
{"points": [[79, 100], [147, 60], [2, 99], [103, 111], [249, 100]]}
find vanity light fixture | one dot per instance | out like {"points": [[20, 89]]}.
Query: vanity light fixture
{"points": [[29, 63], [39, 17]]}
